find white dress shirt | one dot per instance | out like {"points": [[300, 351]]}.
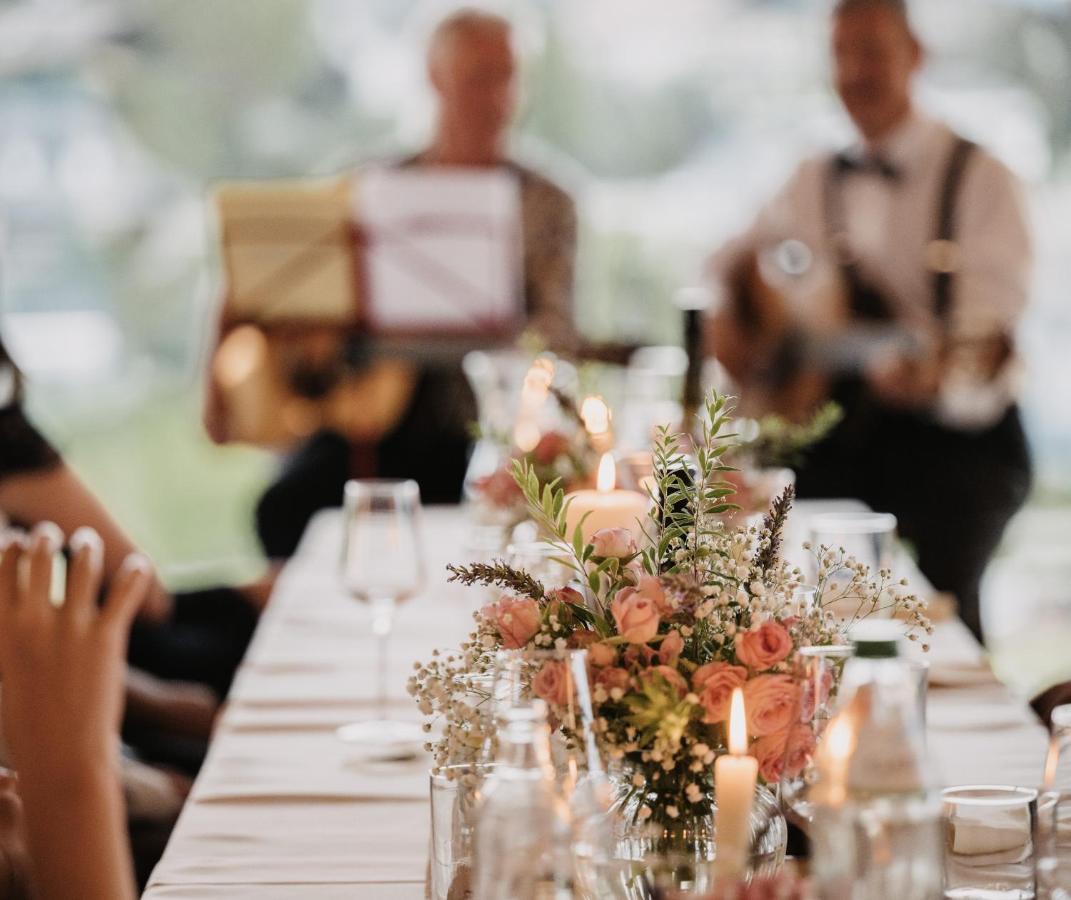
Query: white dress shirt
{"points": [[889, 226]]}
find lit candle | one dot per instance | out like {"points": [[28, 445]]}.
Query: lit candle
{"points": [[735, 776], [606, 507]]}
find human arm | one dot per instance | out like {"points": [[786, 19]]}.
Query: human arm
{"points": [[62, 670], [55, 493]]}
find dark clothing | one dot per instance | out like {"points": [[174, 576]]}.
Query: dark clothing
{"points": [[203, 641], [952, 492], [22, 448]]}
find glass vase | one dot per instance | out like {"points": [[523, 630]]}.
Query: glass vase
{"points": [[659, 853]]}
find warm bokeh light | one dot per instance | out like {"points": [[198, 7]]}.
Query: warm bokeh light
{"points": [[240, 355], [738, 725], [526, 436], [607, 477], [596, 415]]}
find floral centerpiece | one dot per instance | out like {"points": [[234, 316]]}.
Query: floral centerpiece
{"points": [[671, 627]]}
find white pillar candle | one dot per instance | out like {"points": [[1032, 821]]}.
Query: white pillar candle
{"points": [[735, 776], [606, 507]]}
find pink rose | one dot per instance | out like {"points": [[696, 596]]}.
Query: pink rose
{"points": [[554, 683], [773, 703], [765, 646], [801, 747], [715, 683], [671, 675], [636, 616], [552, 445], [613, 542], [669, 651], [602, 654], [500, 488], [770, 752], [650, 588], [613, 677], [517, 620], [784, 754]]}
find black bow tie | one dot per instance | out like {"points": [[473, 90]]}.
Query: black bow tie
{"points": [[868, 165]]}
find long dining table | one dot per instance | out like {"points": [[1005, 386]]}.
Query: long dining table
{"points": [[283, 809]]}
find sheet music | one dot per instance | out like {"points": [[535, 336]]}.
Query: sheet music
{"points": [[443, 250]]}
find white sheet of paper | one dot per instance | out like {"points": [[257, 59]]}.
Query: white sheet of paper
{"points": [[443, 253]]}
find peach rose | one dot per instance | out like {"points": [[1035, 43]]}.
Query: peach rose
{"points": [[613, 542], [552, 445], [715, 683], [784, 754], [517, 620], [773, 703], [669, 651], [613, 677], [801, 747], [636, 616], [650, 588], [640, 655], [765, 646], [671, 675], [554, 683], [602, 654]]}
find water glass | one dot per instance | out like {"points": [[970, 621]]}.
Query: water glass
{"points": [[455, 798], [868, 537], [540, 560], [1054, 812], [989, 842]]}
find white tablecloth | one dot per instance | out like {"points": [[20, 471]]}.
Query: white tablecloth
{"points": [[283, 809]]}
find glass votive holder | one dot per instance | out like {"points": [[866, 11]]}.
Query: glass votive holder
{"points": [[989, 842], [455, 797], [868, 537]]}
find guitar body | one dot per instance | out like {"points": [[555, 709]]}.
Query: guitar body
{"points": [[750, 335]]}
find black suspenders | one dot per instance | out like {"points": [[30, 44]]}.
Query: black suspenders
{"points": [[942, 252]]}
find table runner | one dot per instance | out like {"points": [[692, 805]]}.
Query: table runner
{"points": [[283, 809]]}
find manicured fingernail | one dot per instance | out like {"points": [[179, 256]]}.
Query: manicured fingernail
{"points": [[49, 534], [87, 539], [136, 563]]}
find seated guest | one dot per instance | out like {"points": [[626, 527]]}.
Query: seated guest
{"points": [[471, 67], [188, 640], [892, 277], [63, 832]]}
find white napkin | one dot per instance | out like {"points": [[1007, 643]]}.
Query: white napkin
{"points": [[990, 831]]}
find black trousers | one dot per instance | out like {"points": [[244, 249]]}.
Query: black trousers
{"points": [[430, 445], [204, 641], [953, 492]]}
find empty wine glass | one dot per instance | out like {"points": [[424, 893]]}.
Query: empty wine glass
{"points": [[382, 566]]}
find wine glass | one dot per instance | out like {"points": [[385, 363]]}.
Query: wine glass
{"points": [[382, 565]]}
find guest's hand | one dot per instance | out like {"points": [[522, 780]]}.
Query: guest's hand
{"points": [[905, 383], [62, 669]]}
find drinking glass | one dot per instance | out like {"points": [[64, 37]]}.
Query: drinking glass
{"points": [[540, 560], [1054, 811], [382, 566], [822, 668], [869, 537], [989, 842], [456, 792]]}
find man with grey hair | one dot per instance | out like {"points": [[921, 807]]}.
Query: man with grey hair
{"points": [[472, 70], [894, 274]]}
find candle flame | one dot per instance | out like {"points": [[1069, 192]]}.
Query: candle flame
{"points": [[596, 415], [607, 478], [738, 725], [840, 739]]}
